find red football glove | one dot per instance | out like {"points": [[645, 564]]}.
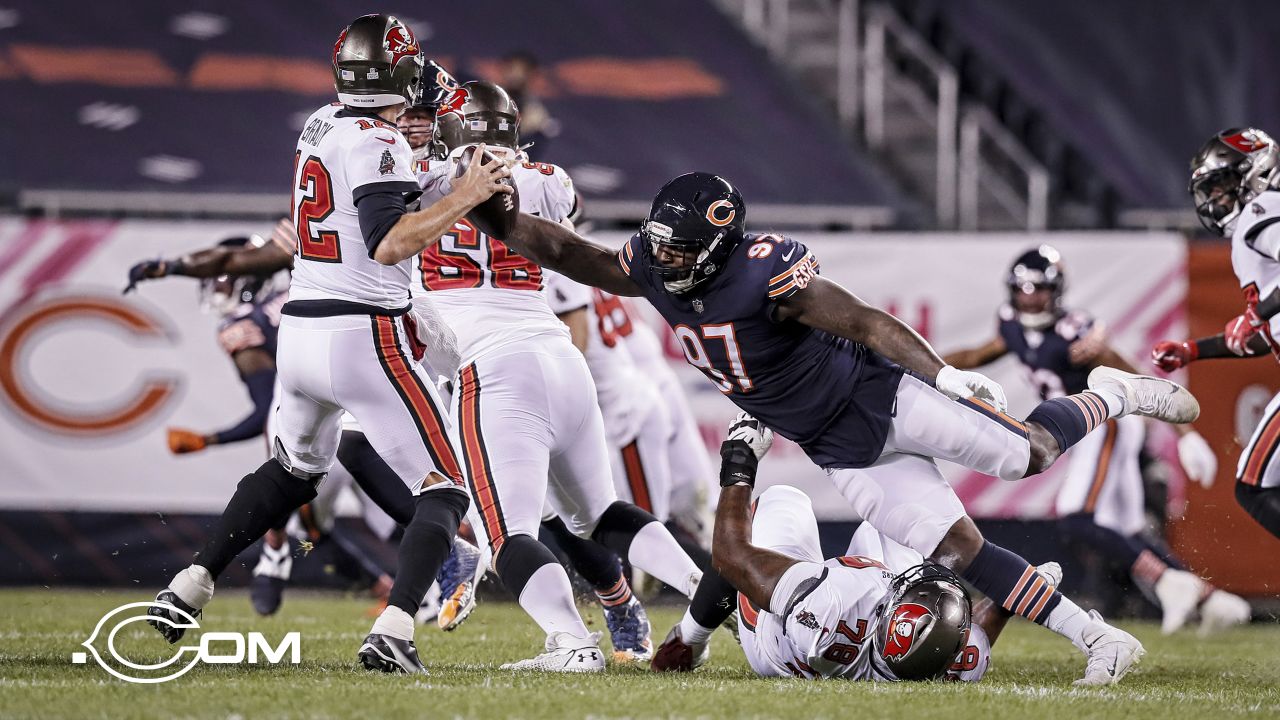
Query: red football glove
{"points": [[1241, 330], [184, 441], [1169, 355]]}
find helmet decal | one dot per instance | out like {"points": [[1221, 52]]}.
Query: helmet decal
{"points": [[719, 219], [907, 620], [453, 105], [1246, 141], [337, 46], [400, 43]]}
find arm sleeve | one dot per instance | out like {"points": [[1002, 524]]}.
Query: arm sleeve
{"points": [[261, 387], [379, 212]]}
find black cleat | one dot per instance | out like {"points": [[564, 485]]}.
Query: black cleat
{"points": [[266, 593], [390, 655], [174, 623]]}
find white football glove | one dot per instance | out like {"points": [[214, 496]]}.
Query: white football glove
{"points": [[962, 384], [1198, 459], [751, 431]]}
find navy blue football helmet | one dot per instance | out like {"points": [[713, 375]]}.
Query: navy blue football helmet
{"points": [[1037, 268], [694, 225]]}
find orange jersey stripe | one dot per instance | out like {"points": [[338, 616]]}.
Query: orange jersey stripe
{"points": [[426, 417], [1104, 463], [636, 479], [992, 409]]}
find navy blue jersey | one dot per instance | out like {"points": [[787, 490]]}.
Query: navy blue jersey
{"points": [[1059, 358], [832, 396], [253, 325]]}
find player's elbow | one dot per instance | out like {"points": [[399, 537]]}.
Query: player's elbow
{"points": [[385, 254]]}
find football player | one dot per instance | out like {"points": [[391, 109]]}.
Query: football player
{"points": [[1233, 184], [864, 395], [524, 404], [879, 612], [1100, 502], [342, 345]]}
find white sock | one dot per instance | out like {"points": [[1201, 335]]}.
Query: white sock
{"points": [[548, 598], [1069, 621], [193, 585], [692, 632], [394, 622], [1113, 399], [656, 552]]}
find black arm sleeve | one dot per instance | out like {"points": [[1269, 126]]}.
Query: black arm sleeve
{"points": [[261, 386], [379, 212]]}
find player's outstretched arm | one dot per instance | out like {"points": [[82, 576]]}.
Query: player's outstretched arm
{"points": [[753, 570], [1169, 355], [397, 235], [988, 352], [555, 246], [214, 261]]}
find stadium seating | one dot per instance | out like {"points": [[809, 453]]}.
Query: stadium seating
{"points": [[161, 97]]}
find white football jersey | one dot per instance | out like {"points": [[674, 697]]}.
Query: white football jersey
{"points": [[490, 295], [1255, 251], [342, 156], [624, 392]]}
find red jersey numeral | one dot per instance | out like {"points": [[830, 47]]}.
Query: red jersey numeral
{"points": [[612, 317], [316, 205], [467, 258]]}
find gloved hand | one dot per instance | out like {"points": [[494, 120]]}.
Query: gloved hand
{"points": [[1169, 355], [1241, 330], [740, 453], [1198, 459], [183, 441], [150, 270], [962, 384]]}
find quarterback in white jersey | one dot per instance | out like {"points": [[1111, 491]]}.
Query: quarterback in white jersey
{"points": [[1234, 182], [524, 406], [342, 342]]}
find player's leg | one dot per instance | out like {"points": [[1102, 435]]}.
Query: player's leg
{"points": [[503, 428], [307, 434], [403, 422], [693, 479], [1258, 471], [585, 497], [906, 498]]}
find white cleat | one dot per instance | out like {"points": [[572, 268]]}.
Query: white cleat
{"points": [[1052, 572], [1178, 592], [1221, 610], [1112, 652], [1148, 396], [565, 653]]}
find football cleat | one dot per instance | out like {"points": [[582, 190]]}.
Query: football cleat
{"points": [[675, 655], [390, 655], [629, 630], [1178, 592], [1147, 396], [458, 579], [1112, 652], [1221, 610], [173, 615], [270, 575], [565, 653]]}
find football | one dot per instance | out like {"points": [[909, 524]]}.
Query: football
{"points": [[496, 216]]}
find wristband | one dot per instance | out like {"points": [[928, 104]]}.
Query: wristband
{"points": [[737, 464]]}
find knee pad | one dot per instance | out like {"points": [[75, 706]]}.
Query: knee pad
{"points": [[281, 457], [618, 526], [298, 489], [439, 512]]}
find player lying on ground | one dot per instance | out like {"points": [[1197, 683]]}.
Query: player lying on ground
{"points": [[1234, 186], [862, 393], [879, 612], [1100, 502]]}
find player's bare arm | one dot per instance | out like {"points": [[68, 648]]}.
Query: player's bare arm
{"points": [[416, 231], [974, 357], [753, 570], [553, 245], [214, 261], [576, 321]]}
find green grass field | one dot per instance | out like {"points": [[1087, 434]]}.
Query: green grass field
{"points": [[1234, 674]]}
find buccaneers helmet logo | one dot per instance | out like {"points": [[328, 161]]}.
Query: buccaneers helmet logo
{"points": [[908, 619], [401, 43], [455, 102], [720, 219], [1245, 141], [337, 47]]}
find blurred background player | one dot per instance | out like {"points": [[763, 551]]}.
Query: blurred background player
{"points": [[1233, 185], [1100, 503], [524, 405], [880, 612]]}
